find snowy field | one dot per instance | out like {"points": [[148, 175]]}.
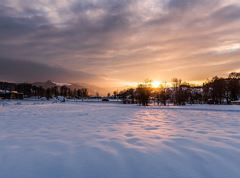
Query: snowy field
{"points": [[97, 140]]}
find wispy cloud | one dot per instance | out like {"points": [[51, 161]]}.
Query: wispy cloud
{"points": [[124, 40]]}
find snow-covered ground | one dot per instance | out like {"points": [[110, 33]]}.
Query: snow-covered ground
{"points": [[97, 140]]}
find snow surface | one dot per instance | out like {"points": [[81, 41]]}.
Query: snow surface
{"points": [[96, 140]]}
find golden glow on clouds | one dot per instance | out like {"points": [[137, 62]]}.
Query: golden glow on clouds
{"points": [[120, 43], [228, 48]]}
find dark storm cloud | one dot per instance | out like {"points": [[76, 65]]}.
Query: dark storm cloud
{"points": [[120, 38], [26, 71], [183, 4], [228, 13]]}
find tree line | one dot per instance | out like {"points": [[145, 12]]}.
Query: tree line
{"points": [[29, 90], [218, 90]]}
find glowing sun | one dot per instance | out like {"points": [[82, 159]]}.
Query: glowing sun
{"points": [[155, 84]]}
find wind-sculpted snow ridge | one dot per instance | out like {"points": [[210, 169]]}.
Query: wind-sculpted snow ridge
{"points": [[95, 140]]}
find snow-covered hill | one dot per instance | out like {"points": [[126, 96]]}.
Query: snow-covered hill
{"points": [[92, 89]]}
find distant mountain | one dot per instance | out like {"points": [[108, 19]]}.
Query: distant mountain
{"points": [[92, 89], [45, 85]]}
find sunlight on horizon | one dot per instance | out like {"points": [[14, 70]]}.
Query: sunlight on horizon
{"points": [[156, 84]]}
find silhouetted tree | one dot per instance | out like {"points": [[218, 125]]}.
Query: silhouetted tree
{"points": [[64, 91], [115, 94], [164, 95], [55, 91], [218, 86], [127, 96], [24, 88], [234, 86], [82, 93], [48, 93], [143, 93]]}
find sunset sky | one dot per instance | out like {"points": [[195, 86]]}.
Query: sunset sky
{"points": [[118, 42]]}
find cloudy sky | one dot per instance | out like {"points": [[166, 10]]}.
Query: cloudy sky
{"points": [[118, 42]]}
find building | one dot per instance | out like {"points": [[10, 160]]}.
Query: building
{"points": [[6, 94]]}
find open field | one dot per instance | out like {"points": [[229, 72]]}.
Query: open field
{"points": [[97, 140]]}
